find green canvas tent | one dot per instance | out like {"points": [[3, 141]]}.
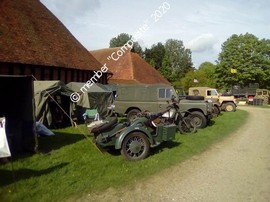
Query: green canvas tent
{"points": [[53, 106], [96, 97]]}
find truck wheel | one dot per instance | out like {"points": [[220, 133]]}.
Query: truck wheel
{"points": [[194, 97], [199, 119], [135, 146], [132, 114], [229, 107]]}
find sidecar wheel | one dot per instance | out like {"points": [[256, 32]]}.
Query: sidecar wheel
{"points": [[135, 146]]}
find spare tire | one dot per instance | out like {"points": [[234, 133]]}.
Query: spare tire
{"points": [[194, 97]]}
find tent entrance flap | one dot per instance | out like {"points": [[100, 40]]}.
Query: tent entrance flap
{"points": [[53, 104]]}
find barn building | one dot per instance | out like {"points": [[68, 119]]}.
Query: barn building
{"points": [[34, 42]]}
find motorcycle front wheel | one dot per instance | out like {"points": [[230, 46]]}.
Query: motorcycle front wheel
{"points": [[186, 125]]}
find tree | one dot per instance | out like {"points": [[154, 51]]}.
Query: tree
{"points": [[209, 71], [123, 38], [194, 78], [177, 60], [155, 55], [244, 59], [203, 76], [265, 49]]}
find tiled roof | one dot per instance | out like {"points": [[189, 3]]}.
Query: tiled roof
{"points": [[31, 34], [129, 68]]}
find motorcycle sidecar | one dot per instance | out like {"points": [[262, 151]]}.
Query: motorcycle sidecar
{"points": [[133, 139]]}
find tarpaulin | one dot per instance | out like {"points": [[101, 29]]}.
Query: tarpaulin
{"points": [[4, 148]]}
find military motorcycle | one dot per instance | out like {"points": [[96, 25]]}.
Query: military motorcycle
{"points": [[135, 138]]}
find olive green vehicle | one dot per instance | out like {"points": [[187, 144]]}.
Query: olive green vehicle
{"points": [[135, 98], [220, 102]]}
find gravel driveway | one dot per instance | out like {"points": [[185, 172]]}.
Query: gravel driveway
{"points": [[237, 169]]}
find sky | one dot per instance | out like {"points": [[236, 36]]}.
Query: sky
{"points": [[203, 26]]}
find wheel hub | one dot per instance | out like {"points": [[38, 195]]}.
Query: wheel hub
{"points": [[229, 108], [196, 120], [135, 147]]}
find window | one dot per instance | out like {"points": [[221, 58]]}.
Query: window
{"points": [[211, 92], [165, 93], [180, 92], [162, 93], [196, 92]]}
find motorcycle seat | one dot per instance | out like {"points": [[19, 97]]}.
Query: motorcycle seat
{"points": [[106, 126]]}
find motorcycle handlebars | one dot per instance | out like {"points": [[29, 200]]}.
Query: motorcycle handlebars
{"points": [[154, 115], [173, 105]]}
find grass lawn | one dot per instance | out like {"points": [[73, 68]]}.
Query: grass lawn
{"points": [[69, 165]]}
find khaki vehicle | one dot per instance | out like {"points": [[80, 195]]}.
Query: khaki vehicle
{"points": [[225, 103], [134, 98]]}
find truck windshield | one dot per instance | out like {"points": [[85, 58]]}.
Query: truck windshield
{"points": [[180, 92]]}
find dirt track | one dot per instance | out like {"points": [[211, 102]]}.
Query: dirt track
{"points": [[237, 169]]}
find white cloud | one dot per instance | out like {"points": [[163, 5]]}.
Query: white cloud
{"points": [[67, 10], [202, 43]]}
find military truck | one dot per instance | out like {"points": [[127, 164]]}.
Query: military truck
{"points": [[134, 98], [244, 92], [225, 103]]}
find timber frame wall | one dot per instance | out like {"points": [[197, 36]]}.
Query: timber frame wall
{"points": [[49, 73]]}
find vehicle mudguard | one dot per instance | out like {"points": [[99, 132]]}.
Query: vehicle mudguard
{"points": [[120, 138]]}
